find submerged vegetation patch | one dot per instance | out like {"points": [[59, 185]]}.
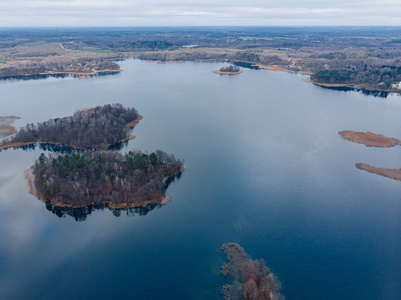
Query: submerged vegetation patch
{"points": [[5, 126]]}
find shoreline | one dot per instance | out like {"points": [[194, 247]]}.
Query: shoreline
{"points": [[82, 75], [79, 73], [163, 61], [280, 69], [352, 86], [11, 145]]}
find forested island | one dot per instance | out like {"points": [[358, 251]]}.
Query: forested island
{"points": [[94, 128], [103, 178], [228, 70], [252, 280]]}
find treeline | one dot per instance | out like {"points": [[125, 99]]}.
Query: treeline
{"points": [[151, 45], [98, 127], [250, 56], [230, 68], [97, 178], [382, 76]]}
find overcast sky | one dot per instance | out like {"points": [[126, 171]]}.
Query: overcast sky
{"points": [[198, 13]]}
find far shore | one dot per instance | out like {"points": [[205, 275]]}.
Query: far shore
{"points": [[369, 139]]}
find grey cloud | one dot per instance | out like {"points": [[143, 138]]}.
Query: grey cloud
{"points": [[191, 12]]}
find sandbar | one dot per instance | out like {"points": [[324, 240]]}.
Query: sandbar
{"points": [[369, 139], [390, 173]]}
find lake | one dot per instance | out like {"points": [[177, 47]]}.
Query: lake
{"points": [[264, 167]]}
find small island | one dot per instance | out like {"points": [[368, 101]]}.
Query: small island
{"points": [[94, 128], [103, 178], [5, 126], [251, 278], [228, 70], [369, 139]]}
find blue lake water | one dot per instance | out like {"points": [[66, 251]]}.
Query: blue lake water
{"points": [[264, 167]]}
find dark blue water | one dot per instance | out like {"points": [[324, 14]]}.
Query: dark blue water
{"points": [[265, 167]]}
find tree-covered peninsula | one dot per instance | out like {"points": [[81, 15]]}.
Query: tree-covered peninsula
{"points": [[252, 280], [101, 178], [93, 128]]}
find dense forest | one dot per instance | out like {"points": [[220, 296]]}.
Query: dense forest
{"points": [[94, 128], [252, 280], [109, 178]]}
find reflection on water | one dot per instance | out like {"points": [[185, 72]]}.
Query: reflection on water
{"points": [[61, 148], [44, 76], [380, 94], [25, 148], [81, 213], [118, 147], [36, 76]]}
